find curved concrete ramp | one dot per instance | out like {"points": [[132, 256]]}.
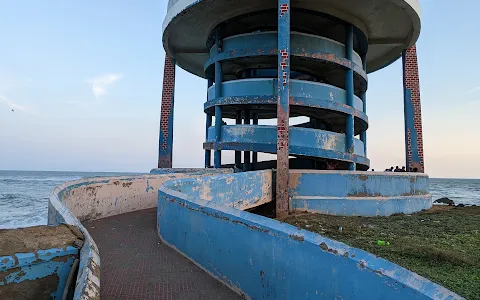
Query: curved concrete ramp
{"points": [[136, 265]]}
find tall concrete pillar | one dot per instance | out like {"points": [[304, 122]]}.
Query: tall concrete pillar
{"points": [[349, 87], [412, 111], [283, 107], [165, 147], [217, 155]]}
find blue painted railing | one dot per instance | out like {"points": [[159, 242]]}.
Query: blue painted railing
{"points": [[250, 91], [303, 141], [303, 45]]}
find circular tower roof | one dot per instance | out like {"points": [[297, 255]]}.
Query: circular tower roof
{"points": [[389, 25]]}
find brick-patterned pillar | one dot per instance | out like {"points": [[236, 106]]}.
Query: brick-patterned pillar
{"points": [[165, 147], [283, 108], [412, 111]]}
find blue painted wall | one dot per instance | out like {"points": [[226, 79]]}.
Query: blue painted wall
{"points": [[242, 190], [20, 270], [265, 259], [359, 193], [357, 184], [190, 171]]}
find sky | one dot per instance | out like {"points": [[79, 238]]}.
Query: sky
{"points": [[84, 79]]}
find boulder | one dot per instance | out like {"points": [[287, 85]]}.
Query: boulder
{"points": [[445, 200]]}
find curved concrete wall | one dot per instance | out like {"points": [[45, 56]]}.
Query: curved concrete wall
{"points": [[359, 193], [262, 258], [241, 191], [201, 217], [95, 198]]}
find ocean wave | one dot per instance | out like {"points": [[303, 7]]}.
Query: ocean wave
{"points": [[23, 222], [10, 196], [53, 179]]}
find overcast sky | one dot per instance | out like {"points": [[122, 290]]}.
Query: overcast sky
{"points": [[84, 79]]}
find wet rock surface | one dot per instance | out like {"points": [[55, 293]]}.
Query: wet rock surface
{"points": [[445, 200]]}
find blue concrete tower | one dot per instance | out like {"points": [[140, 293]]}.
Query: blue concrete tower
{"points": [[268, 60]]}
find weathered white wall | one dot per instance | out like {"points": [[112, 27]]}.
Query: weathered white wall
{"points": [[95, 198]]}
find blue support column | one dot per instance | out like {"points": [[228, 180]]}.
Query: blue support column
{"points": [[246, 154], [283, 108], [238, 154], [363, 96], [349, 131], [218, 108], [208, 124], [254, 154]]}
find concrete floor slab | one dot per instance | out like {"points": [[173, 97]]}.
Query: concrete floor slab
{"points": [[135, 264]]}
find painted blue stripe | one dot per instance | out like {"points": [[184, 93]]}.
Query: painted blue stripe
{"points": [[25, 259]]}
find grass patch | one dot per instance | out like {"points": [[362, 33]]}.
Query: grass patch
{"points": [[441, 244]]}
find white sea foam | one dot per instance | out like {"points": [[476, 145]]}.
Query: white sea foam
{"points": [[23, 195]]}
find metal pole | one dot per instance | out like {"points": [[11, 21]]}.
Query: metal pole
{"points": [[350, 128], [283, 108], [218, 109]]}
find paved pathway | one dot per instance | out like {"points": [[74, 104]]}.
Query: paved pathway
{"points": [[136, 265]]}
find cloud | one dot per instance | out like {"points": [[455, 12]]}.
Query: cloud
{"points": [[18, 107], [471, 91], [101, 83]]}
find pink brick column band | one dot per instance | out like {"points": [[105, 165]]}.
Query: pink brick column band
{"points": [[166, 115]]}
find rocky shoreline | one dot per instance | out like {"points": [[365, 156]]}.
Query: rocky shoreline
{"points": [[449, 202]]}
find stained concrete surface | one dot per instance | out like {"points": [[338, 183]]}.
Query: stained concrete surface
{"points": [[30, 239], [135, 264], [40, 289]]}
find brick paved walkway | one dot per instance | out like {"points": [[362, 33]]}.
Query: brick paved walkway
{"points": [[136, 265]]}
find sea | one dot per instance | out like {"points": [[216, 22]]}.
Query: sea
{"points": [[24, 194]]}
